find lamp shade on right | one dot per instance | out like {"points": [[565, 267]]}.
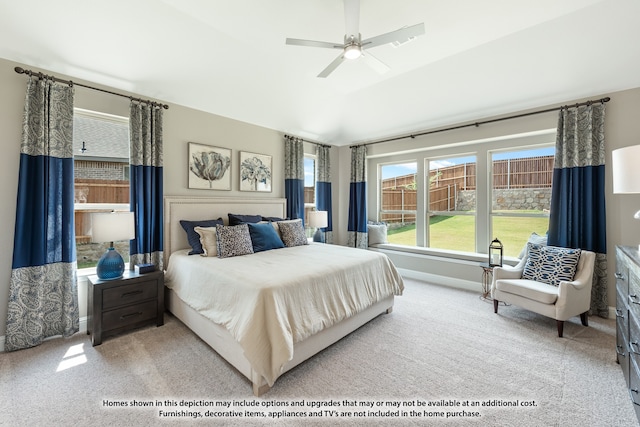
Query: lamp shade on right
{"points": [[625, 164]]}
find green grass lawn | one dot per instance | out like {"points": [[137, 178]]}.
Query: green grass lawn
{"points": [[458, 232]]}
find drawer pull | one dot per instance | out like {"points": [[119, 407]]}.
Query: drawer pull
{"points": [[619, 276], [139, 313], [621, 353], [130, 294], [633, 299], [631, 347], [619, 313], [633, 390]]}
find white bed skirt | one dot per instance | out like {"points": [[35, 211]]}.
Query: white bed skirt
{"points": [[226, 346]]}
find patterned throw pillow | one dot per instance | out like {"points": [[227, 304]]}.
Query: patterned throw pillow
{"points": [[292, 233], [233, 240], [550, 264]]}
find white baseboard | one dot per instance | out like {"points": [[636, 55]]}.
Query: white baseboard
{"points": [[458, 283], [82, 330], [467, 285]]}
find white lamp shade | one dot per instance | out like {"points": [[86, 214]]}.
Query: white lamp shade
{"points": [[625, 163], [112, 226], [318, 219]]}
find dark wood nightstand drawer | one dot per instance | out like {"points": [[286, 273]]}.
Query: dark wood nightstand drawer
{"points": [[118, 305], [128, 294], [129, 315]]}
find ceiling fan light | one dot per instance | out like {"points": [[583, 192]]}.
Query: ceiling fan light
{"points": [[352, 51]]}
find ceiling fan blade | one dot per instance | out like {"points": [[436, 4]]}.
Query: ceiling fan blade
{"points": [[400, 36], [352, 18], [332, 66], [314, 43], [373, 62]]}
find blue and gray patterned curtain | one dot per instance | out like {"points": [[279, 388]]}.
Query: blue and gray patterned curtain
{"points": [[146, 188], [357, 223], [43, 290], [323, 188], [577, 218], [294, 177]]}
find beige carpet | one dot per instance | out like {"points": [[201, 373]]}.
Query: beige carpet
{"points": [[439, 344]]}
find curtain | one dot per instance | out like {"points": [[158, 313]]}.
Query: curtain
{"points": [[294, 177], [323, 187], [145, 182], [357, 223], [43, 289], [577, 218]]}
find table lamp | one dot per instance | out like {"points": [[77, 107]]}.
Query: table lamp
{"points": [[111, 227], [626, 173], [318, 220]]}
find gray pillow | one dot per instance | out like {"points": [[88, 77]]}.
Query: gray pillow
{"points": [[536, 239], [233, 240]]}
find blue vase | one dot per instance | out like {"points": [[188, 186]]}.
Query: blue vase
{"points": [[110, 266]]}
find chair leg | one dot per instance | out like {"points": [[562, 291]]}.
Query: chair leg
{"points": [[584, 317], [560, 327], [495, 305]]}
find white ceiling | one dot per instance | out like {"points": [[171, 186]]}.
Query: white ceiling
{"points": [[477, 58]]}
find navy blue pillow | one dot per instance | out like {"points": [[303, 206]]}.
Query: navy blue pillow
{"points": [[264, 237], [235, 219], [194, 238], [273, 218]]}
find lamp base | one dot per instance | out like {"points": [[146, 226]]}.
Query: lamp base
{"points": [[110, 266], [318, 236]]}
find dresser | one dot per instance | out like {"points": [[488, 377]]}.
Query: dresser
{"points": [[628, 319], [119, 305]]}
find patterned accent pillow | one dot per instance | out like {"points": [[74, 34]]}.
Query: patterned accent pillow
{"points": [[208, 240], [377, 233], [233, 240], [292, 233], [551, 264]]}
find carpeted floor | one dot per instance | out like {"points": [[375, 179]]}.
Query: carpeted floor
{"points": [[441, 353]]}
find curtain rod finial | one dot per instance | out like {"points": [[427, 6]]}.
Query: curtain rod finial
{"points": [[19, 70]]}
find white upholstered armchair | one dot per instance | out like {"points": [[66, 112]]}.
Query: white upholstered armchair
{"points": [[566, 293]]}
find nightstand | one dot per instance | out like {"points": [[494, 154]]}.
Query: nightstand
{"points": [[119, 305]]}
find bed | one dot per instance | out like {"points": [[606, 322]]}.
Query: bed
{"points": [[267, 312]]}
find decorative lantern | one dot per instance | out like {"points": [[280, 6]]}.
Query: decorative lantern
{"points": [[495, 253]]}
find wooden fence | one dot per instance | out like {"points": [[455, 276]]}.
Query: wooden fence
{"points": [[398, 193]]}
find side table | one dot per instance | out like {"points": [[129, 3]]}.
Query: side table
{"points": [[115, 306], [487, 278]]}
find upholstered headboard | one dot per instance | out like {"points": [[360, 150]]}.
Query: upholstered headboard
{"points": [[177, 208]]}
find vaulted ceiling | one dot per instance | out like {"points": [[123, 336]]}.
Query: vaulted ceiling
{"points": [[476, 58]]}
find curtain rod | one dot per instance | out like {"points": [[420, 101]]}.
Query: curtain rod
{"points": [[477, 124], [40, 75], [306, 140]]}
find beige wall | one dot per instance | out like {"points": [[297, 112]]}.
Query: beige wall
{"points": [[183, 125]]}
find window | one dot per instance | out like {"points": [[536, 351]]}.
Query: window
{"points": [[458, 197], [398, 201], [101, 177], [521, 195], [309, 188], [452, 203]]}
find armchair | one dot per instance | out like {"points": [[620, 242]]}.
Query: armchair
{"points": [[568, 299]]}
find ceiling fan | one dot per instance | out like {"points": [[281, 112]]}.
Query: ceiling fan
{"points": [[354, 47]]}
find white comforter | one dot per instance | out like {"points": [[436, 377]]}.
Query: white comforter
{"points": [[270, 300]]}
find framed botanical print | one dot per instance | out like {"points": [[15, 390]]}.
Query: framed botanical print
{"points": [[209, 167], [255, 172]]}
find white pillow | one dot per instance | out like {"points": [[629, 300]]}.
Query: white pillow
{"points": [[208, 240], [536, 239], [377, 233]]}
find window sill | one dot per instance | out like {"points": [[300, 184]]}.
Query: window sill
{"points": [[439, 253]]}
